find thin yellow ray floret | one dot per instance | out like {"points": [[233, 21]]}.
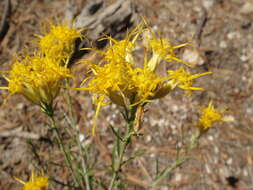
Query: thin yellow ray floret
{"points": [[183, 79], [120, 50], [146, 84]]}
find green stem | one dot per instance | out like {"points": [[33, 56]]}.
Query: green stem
{"points": [[180, 160], [80, 147], [113, 180], [55, 130], [84, 167], [167, 170], [118, 161]]}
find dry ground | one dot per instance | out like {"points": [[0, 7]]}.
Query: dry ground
{"points": [[224, 159]]}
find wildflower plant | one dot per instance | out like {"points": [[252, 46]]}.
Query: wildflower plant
{"points": [[39, 76], [208, 117], [121, 79]]}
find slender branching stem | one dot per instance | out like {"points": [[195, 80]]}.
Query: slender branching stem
{"points": [[122, 146], [182, 158], [72, 122], [59, 141]]}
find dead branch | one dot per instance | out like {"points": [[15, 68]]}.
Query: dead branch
{"points": [[4, 23], [98, 20]]}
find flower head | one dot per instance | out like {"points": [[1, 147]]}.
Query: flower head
{"points": [[122, 81], [121, 51], [38, 78], [58, 43], [35, 182], [209, 116], [109, 79], [147, 85]]}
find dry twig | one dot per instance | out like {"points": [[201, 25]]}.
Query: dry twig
{"points": [[4, 23]]}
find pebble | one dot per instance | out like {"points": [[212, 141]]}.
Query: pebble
{"points": [[247, 8], [20, 106], [223, 45], [148, 138], [230, 161], [193, 57], [244, 58], [249, 111], [210, 138], [208, 169], [81, 137], [233, 35], [178, 177], [245, 173], [208, 3]]}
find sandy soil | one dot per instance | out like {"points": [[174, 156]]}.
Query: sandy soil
{"points": [[223, 45]]}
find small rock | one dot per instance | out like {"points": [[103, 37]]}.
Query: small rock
{"points": [[223, 45], [20, 106], [193, 57], [208, 169], [81, 137], [229, 161], [233, 35], [148, 138], [178, 177], [247, 8], [244, 58], [208, 3], [229, 118], [245, 173], [210, 138]]}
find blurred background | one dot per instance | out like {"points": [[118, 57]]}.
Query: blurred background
{"points": [[221, 36]]}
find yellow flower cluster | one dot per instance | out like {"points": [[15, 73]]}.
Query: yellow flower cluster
{"points": [[35, 182], [59, 42], [209, 116], [120, 80], [123, 81], [39, 77]]}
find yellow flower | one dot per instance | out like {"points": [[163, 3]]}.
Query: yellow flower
{"points": [[35, 182], [38, 78], [147, 85], [125, 84], [107, 80], [59, 42], [120, 51], [120, 80], [209, 116], [162, 49], [184, 79]]}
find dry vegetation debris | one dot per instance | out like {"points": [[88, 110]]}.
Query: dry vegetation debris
{"points": [[225, 47]]}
